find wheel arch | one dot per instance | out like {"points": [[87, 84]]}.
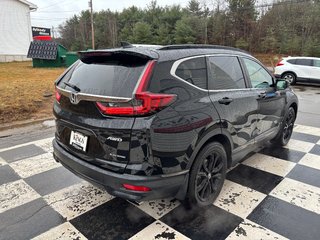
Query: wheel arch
{"points": [[289, 71], [219, 135], [222, 137], [295, 107]]}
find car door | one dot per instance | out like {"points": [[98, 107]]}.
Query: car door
{"points": [[271, 103], [303, 68], [235, 103], [315, 72]]}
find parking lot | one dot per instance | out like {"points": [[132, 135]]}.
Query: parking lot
{"points": [[273, 194]]}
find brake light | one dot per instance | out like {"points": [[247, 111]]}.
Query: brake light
{"points": [[144, 103], [58, 95], [105, 108], [280, 63], [136, 188]]}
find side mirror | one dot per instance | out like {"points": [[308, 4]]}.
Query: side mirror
{"points": [[281, 84]]}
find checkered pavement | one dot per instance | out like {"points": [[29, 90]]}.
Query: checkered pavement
{"points": [[274, 194]]}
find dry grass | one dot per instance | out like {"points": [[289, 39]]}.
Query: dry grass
{"points": [[22, 90], [269, 60]]}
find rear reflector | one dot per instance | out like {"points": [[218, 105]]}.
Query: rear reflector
{"points": [[58, 96], [136, 188], [144, 102]]}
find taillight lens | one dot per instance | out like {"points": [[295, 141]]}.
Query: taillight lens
{"points": [[58, 95], [144, 103], [280, 63], [116, 109], [152, 102]]}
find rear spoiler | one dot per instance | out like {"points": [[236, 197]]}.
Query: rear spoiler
{"points": [[138, 53]]}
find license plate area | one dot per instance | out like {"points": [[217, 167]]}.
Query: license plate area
{"points": [[78, 141]]}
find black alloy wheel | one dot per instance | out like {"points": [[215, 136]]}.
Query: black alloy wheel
{"points": [[288, 126], [286, 130], [207, 175]]}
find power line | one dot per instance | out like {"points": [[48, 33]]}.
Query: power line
{"points": [[42, 18], [56, 3], [55, 11]]}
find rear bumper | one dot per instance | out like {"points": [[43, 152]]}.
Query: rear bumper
{"points": [[162, 186]]}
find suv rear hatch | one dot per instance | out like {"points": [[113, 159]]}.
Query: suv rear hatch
{"points": [[89, 96], [98, 99]]}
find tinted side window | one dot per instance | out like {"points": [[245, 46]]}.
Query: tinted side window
{"points": [[292, 61], [316, 63], [194, 71], [304, 62], [258, 76], [226, 73]]}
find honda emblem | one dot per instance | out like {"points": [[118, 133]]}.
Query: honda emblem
{"points": [[74, 98]]}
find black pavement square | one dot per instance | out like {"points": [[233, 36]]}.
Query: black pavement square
{"points": [[305, 137], [52, 180], [315, 150], [116, 219], [305, 174], [286, 219], [21, 153], [254, 178], [28, 220], [7, 174], [210, 222], [283, 153]]}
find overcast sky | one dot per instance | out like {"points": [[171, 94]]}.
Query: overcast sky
{"points": [[54, 12]]}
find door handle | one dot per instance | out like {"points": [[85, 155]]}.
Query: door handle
{"points": [[225, 100], [262, 95]]}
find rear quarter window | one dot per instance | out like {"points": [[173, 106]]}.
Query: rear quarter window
{"points": [[193, 71], [292, 61]]}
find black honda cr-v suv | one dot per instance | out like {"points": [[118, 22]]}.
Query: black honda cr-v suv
{"points": [[155, 122]]}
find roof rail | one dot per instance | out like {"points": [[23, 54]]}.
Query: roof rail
{"points": [[197, 46]]}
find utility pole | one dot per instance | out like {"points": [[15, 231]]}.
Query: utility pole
{"points": [[52, 32], [92, 28]]}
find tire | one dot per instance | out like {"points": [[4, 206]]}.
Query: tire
{"points": [[290, 77], [286, 130], [207, 175]]}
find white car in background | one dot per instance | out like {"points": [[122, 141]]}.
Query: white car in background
{"points": [[299, 69]]}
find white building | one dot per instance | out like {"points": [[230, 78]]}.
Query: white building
{"points": [[15, 29]]}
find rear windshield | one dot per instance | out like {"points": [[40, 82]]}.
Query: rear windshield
{"points": [[112, 78]]}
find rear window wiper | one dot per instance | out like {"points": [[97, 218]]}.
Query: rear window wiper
{"points": [[72, 86]]}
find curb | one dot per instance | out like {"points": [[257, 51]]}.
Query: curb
{"points": [[25, 123]]}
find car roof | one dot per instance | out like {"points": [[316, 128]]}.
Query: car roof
{"points": [[300, 57], [170, 52]]}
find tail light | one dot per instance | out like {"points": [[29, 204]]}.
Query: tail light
{"points": [[58, 95], [280, 63], [144, 102]]}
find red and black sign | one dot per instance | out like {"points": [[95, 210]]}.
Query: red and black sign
{"points": [[40, 33]]}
